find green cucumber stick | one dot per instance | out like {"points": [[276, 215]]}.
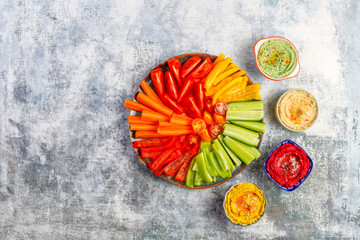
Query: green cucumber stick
{"points": [[232, 155], [243, 106], [239, 150], [241, 134], [253, 150], [255, 126]]}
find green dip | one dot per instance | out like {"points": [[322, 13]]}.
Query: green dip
{"points": [[277, 58]]}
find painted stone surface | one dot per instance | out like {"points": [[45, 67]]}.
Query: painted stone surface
{"points": [[67, 170]]}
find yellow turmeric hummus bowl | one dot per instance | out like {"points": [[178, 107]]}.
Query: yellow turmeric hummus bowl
{"points": [[244, 203]]}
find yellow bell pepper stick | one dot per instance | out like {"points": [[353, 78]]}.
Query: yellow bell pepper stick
{"points": [[216, 88], [218, 69], [231, 65], [227, 86], [238, 74], [225, 98], [219, 59], [239, 86], [249, 97], [225, 74]]}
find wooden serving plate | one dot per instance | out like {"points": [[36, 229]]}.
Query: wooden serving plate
{"points": [[164, 67]]}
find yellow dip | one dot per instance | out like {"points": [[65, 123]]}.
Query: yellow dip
{"points": [[297, 110], [245, 203]]}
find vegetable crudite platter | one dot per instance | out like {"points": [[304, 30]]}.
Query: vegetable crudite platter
{"points": [[196, 120]]}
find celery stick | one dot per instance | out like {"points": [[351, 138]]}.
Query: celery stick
{"points": [[217, 165], [194, 167], [200, 160], [210, 169], [222, 155], [204, 144], [198, 180], [190, 177]]}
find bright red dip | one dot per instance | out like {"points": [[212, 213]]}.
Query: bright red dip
{"points": [[288, 164]]}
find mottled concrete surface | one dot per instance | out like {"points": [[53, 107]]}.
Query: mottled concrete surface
{"points": [[67, 170]]}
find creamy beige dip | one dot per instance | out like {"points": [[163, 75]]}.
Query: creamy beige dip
{"points": [[297, 110]]}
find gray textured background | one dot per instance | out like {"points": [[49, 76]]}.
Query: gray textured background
{"points": [[67, 170]]}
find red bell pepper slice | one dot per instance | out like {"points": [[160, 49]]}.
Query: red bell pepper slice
{"points": [[181, 174], [162, 147], [220, 108], [168, 101], [182, 138], [191, 108], [157, 77], [201, 70], [200, 94], [189, 65], [220, 119], [186, 89], [215, 130], [150, 143], [158, 162], [208, 118], [175, 66], [177, 153], [145, 154], [209, 106], [170, 85], [198, 125], [174, 166]]}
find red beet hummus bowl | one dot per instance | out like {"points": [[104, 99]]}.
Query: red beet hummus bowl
{"points": [[288, 165]]}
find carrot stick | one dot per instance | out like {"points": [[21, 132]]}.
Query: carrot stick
{"points": [[141, 97], [137, 119], [139, 126], [132, 105], [167, 124], [175, 131], [150, 92], [148, 134], [150, 115], [180, 120]]}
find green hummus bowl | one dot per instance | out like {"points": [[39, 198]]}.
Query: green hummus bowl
{"points": [[276, 58]]}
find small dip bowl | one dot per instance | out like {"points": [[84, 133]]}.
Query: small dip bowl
{"points": [[226, 197], [290, 189], [256, 51], [277, 115]]}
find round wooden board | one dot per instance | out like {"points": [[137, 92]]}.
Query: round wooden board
{"points": [[144, 161]]}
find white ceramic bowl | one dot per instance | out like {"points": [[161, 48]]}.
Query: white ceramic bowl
{"points": [[240, 223], [256, 51], [278, 116]]}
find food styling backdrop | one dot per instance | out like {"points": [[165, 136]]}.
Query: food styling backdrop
{"points": [[67, 169]]}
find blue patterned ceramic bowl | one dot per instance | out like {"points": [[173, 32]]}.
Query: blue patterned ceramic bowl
{"points": [[301, 180]]}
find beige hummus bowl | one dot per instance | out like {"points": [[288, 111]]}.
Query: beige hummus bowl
{"points": [[277, 115]]}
